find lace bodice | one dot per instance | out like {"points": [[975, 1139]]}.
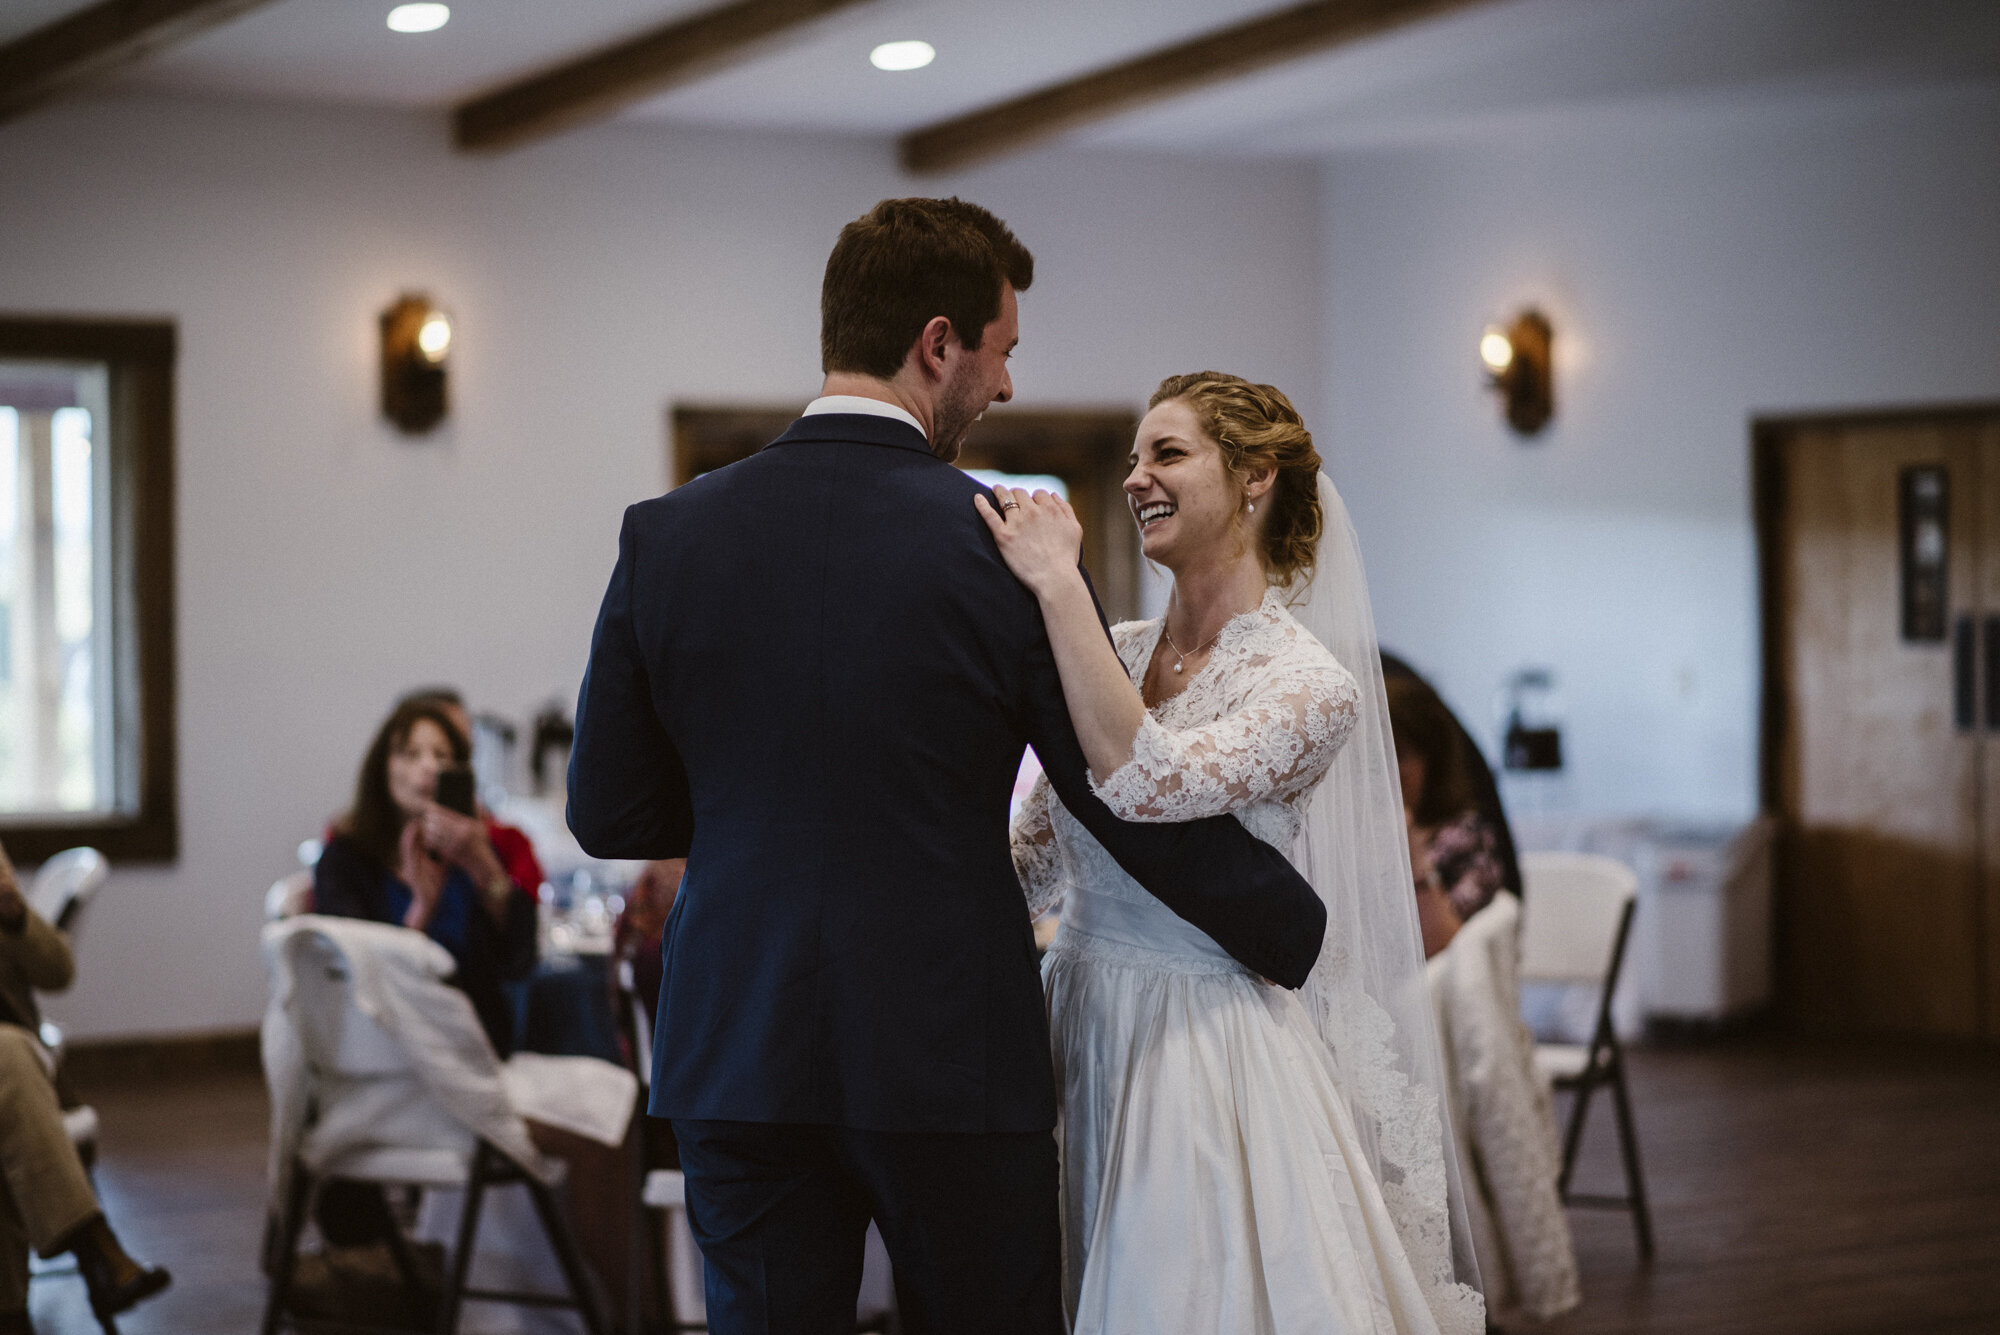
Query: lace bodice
{"points": [[1251, 734]]}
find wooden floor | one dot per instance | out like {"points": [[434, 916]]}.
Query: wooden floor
{"points": [[1798, 1187], [181, 1175], [1801, 1187]]}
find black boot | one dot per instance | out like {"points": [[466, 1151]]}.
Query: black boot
{"points": [[116, 1282]]}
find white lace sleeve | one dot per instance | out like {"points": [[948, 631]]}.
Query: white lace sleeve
{"points": [[1038, 861], [1279, 743]]}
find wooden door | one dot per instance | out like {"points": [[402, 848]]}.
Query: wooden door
{"points": [[1885, 772]]}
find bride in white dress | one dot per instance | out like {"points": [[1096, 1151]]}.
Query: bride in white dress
{"points": [[1237, 1159]]}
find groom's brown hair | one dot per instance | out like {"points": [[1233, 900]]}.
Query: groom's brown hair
{"points": [[905, 262]]}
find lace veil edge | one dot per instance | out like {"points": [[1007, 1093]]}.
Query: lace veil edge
{"points": [[1368, 993]]}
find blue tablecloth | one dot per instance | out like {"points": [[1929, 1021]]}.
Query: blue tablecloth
{"points": [[564, 1009]]}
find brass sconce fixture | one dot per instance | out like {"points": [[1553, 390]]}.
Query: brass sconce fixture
{"points": [[1518, 365], [416, 339]]}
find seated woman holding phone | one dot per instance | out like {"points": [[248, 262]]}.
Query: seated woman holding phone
{"points": [[413, 851]]}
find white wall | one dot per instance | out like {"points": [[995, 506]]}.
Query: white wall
{"points": [[325, 564], [1702, 265]]}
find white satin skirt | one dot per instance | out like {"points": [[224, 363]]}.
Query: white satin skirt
{"points": [[1213, 1181]]}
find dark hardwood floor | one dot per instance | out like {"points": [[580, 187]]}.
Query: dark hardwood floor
{"points": [[1797, 1186], [1819, 1187], [181, 1176]]}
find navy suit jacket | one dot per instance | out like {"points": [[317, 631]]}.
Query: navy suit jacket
{"points": [[813, 676]]}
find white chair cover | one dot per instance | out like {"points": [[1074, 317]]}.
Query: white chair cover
{"points": [[385, 1068], [1505, 1120]]}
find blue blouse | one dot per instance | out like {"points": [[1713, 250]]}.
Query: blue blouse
{"points": [[451, 921]]}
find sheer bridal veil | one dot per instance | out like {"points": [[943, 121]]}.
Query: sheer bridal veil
{"points": [[1367, 992]]}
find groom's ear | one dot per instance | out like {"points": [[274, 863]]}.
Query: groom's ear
{"points": [[933, 346]]}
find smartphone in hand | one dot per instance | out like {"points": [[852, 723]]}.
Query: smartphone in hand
{"points": [[455, 791]]}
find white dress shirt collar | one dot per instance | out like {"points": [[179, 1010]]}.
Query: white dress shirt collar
{"points": [[854, 403]]}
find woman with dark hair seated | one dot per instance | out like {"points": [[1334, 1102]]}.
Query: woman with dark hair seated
{"points": [[399, 857], [1454, 849]]}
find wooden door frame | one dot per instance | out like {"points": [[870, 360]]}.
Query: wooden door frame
{"points": [[1086, 447], [1768, 433]]}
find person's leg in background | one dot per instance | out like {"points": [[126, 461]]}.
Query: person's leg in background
{"points": [[352, 1214], [781, 1225], [971, 1224], [47, 1190]]}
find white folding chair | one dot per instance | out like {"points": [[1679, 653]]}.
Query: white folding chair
{"points": [[413, 1141], [289, 896], [60, 895], [1576, 918], [662, 1191], [64, 886]]}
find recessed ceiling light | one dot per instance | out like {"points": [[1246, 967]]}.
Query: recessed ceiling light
{"points": [[902, 55], [419, 18]]}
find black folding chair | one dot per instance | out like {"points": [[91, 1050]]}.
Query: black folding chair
{"points": [[1576, 920]]}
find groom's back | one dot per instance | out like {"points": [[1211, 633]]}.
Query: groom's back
{"points": [[835, 651]]}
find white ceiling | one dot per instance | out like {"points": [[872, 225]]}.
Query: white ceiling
{"points": [[1507, 61], [1503, 59], [987, 51]]}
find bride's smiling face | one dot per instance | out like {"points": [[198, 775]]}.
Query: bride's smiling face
{"points": [[1187, 505]]}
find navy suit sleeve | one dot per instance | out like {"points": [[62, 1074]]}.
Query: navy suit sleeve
{"points": [[628, 793], [1214, 873]]}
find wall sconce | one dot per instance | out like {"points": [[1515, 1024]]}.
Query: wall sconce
{"points": [[416, 339], [1518, 365]]}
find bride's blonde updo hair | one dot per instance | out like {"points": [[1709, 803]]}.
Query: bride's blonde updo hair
{"points": [[1258, 429]]}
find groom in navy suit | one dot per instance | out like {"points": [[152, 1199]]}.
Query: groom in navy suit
{"points": [[813, 677]]}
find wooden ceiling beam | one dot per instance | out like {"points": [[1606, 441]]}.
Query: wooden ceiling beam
{"points": [[596, 85], [96, 40], [1211, 58]]}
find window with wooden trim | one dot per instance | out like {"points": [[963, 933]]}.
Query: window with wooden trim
{"points": [[86, 588]]}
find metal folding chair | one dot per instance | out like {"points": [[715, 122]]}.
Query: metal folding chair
{"points": [[1576, 920]]}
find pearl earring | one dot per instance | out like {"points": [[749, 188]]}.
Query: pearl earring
{"points": [[1251, 507]]}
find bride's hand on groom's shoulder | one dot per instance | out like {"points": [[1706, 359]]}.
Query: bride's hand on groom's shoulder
{"points": [[1038, 533]]}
